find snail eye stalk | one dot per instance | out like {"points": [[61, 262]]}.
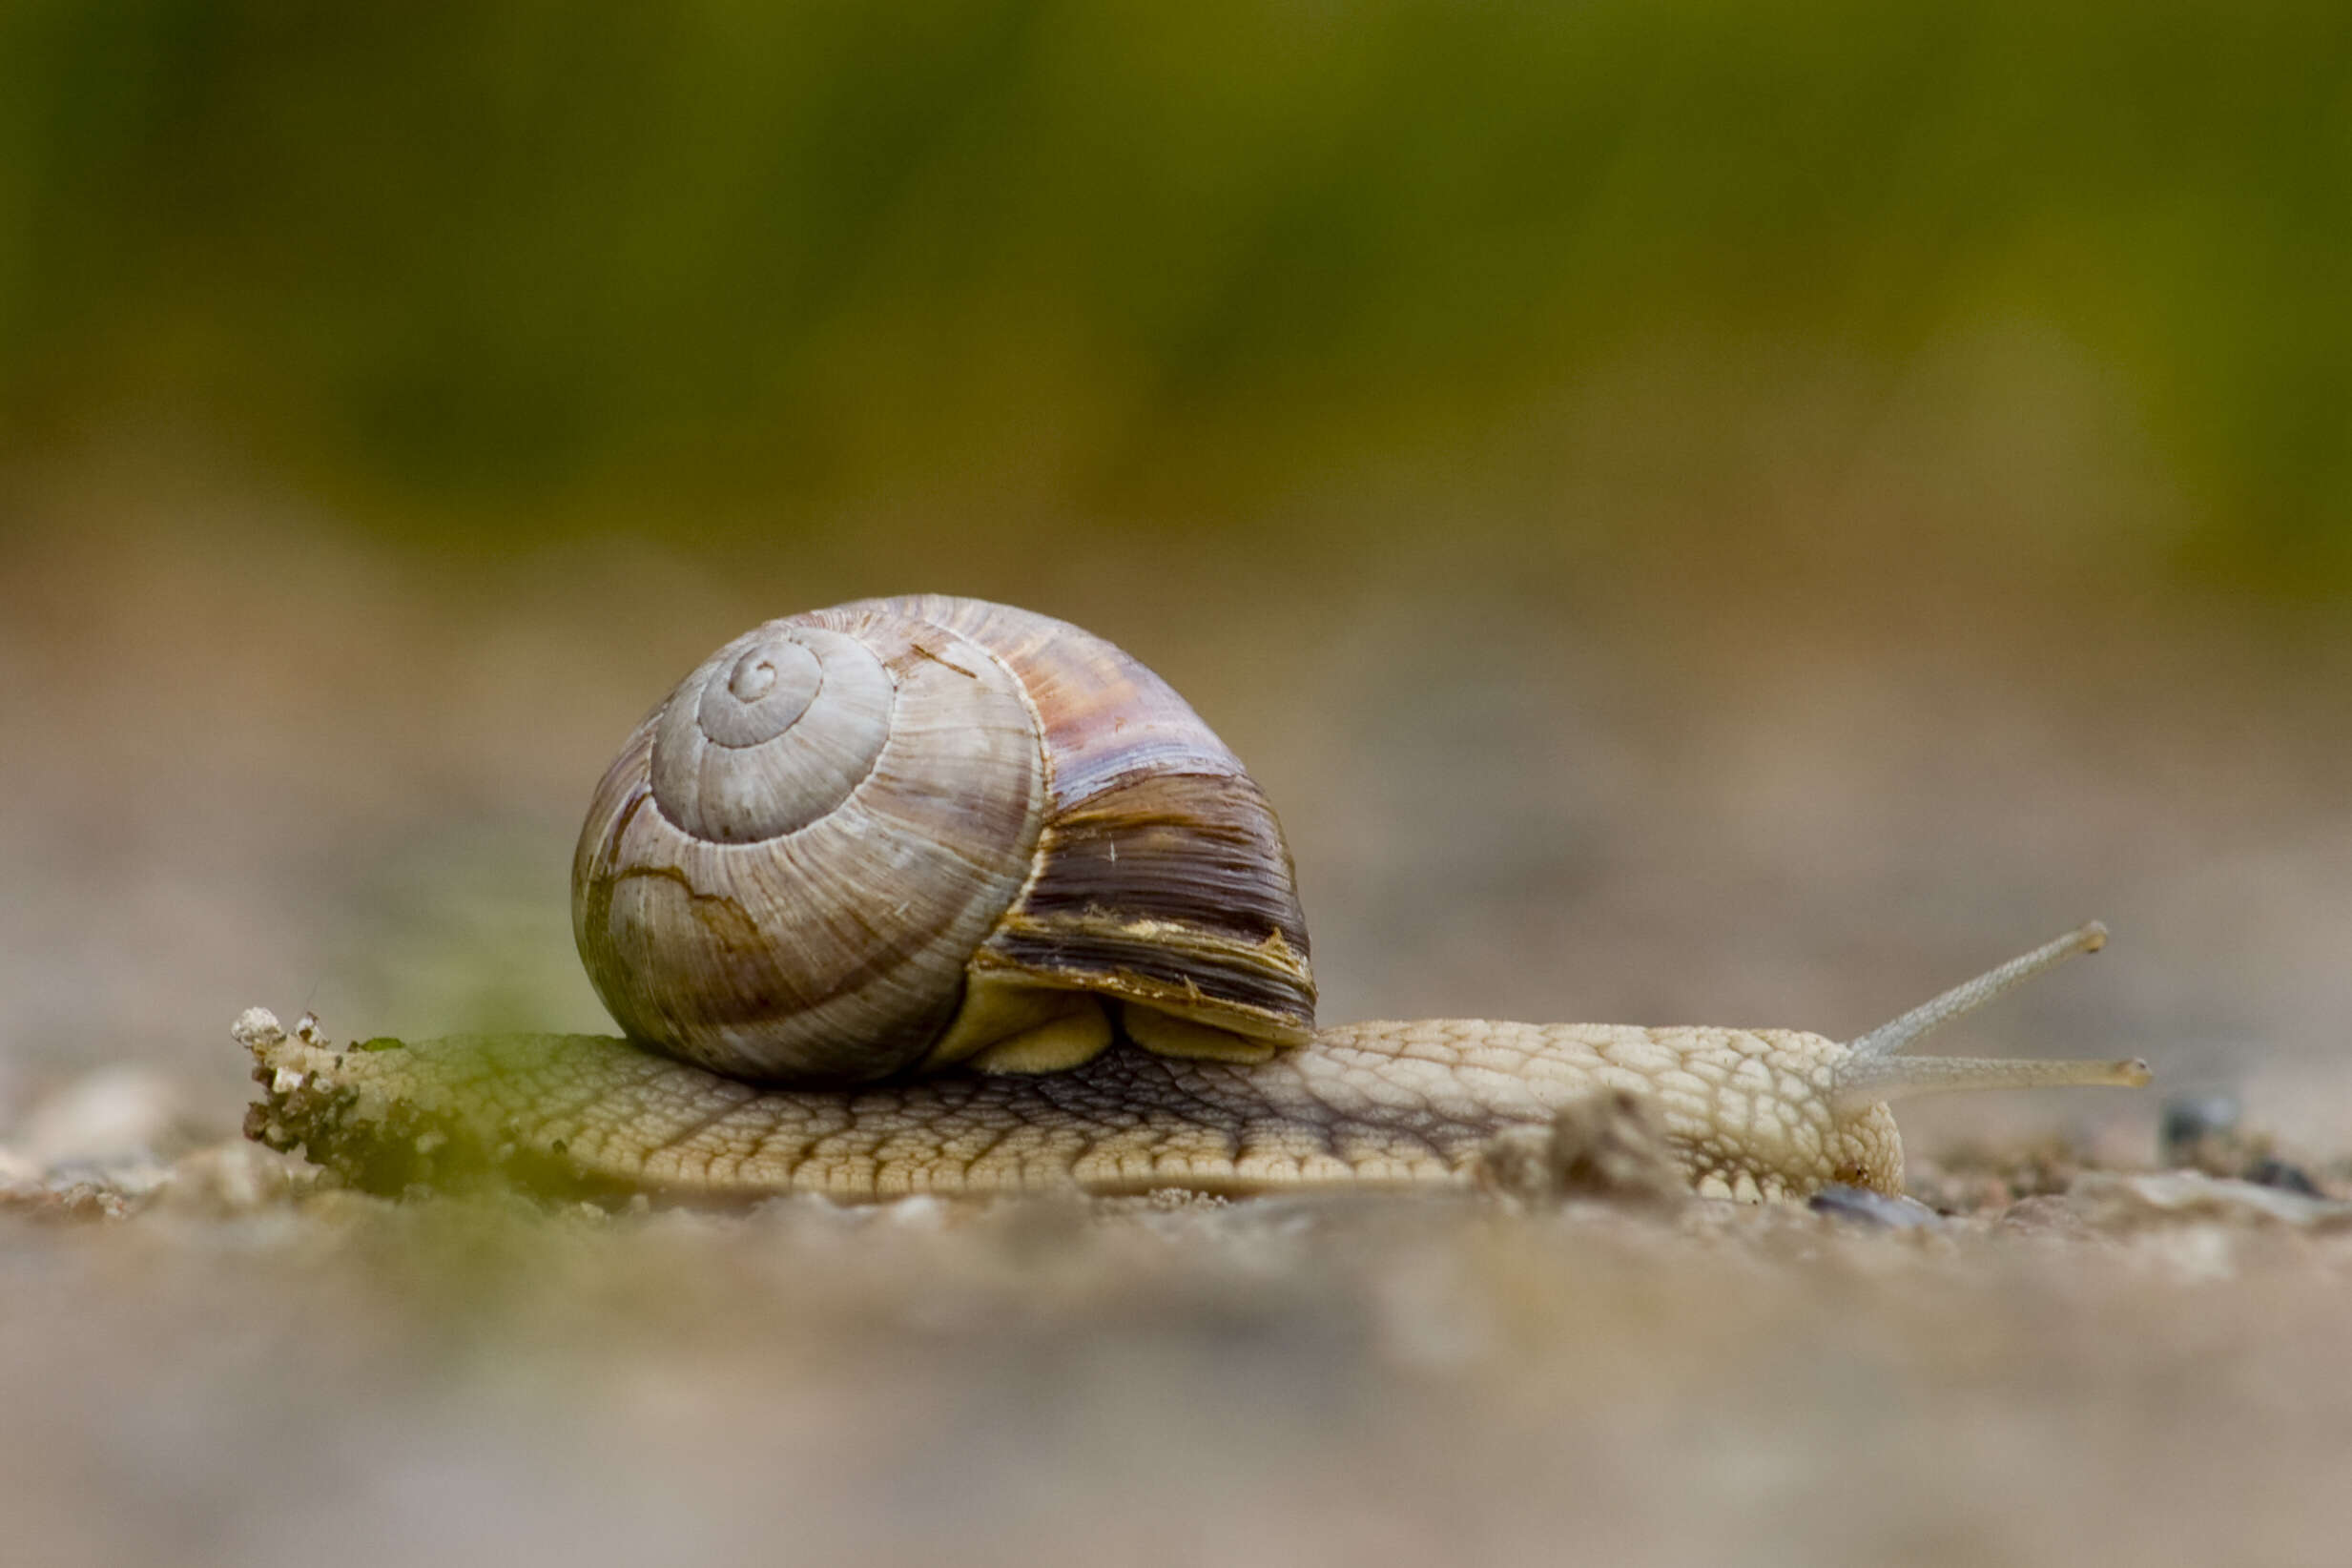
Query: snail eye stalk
{"points": [[1875, 1068]]}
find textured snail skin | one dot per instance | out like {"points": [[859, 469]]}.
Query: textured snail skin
{"points": [[1748, 1114]]}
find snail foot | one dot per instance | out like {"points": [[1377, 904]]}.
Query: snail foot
{"points": [[1163, 1034], [1056, 1045]]}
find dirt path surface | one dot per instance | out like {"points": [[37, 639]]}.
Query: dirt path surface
{"points": [[219, 1359]]}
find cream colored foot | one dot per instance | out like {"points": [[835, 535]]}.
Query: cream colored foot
{"points": [[1168, 1035], [1076, 1036]]}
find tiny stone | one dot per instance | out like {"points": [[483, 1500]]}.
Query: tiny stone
{"points": [[1878, 1209], [2046, 1214], [2272, 1171], [1609, 1145], [257, 1027], [921, 1212], [2194, 1128]]}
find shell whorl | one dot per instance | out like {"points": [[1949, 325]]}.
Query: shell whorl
{"points": [[802, 858], [773, 881], [733, 762]]}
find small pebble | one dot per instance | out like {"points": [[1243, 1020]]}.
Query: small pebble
{"points": [[2194, 1126], [1862, 1205], [255, 1027], [1610, 1145], [2272, 1171]]}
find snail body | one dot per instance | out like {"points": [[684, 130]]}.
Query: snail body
{"points": [[933, 895], [1748, 1114]]}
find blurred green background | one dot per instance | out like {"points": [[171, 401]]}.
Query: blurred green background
{"points": [[521, 268], [1694, 510]]}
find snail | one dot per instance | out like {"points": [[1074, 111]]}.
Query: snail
{"points": [[936, 895]]}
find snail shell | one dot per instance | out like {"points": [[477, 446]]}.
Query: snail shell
{"points": [[904, 832]]}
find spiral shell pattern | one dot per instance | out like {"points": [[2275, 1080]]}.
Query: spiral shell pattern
{"points": [[791, 861], [801, 859]]}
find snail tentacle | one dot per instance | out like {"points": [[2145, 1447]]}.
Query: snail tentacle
{"points": [[1875, 1071]]}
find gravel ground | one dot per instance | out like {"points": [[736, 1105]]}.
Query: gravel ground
{"points": [[215, 1358]]}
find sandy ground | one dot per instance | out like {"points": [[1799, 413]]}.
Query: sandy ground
{"points": [[215, 1361]]}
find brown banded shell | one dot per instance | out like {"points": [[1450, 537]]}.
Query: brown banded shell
{"points": [[903, 833]]}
